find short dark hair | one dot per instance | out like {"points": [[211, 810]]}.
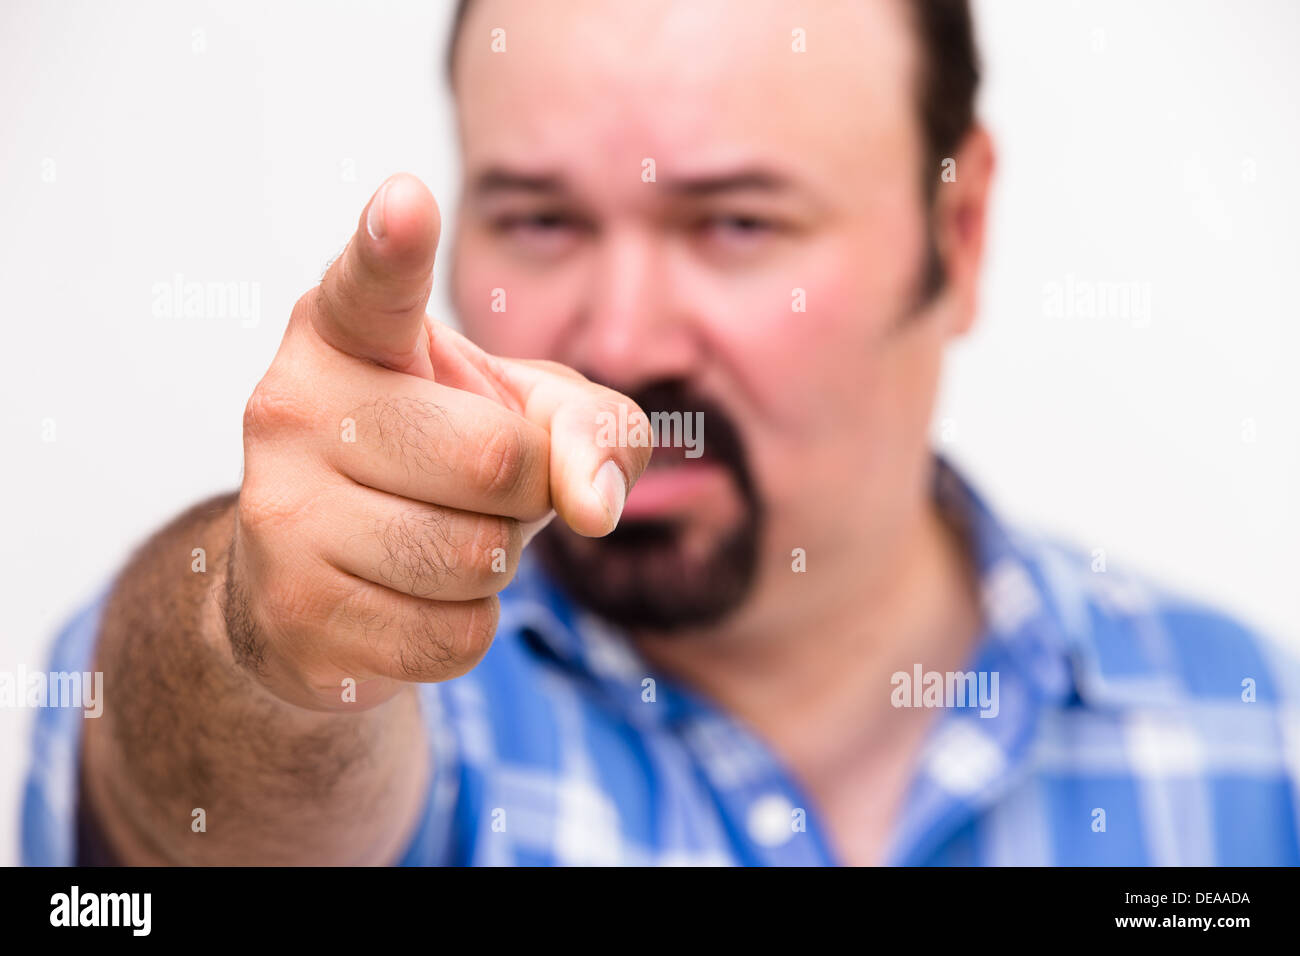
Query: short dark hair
{"points": [[948, 81]]}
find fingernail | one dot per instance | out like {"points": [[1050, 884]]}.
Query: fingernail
{"points": [[611, 487], [375, 214]]}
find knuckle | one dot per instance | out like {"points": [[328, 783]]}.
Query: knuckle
{"points": [[261, 510], [273, 408], [503, 465], [495, 547]]}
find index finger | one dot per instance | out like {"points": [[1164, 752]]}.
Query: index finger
{"points": [[371, 302], [591, 468]]}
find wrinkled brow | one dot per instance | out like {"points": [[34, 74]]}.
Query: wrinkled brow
{"points": [[497, 179]]}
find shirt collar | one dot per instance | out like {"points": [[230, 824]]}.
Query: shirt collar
{"points": [[1041, 637], [1034, 612]]}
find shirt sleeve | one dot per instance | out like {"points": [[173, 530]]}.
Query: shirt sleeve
{"points": [[49, 814], [433, 843]]}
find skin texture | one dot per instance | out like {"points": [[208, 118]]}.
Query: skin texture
{"points": [[366, 559]]}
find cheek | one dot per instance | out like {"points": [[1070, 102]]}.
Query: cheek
{"points": [[810, 340], [843, 399]]}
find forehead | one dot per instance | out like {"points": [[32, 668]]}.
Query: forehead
{"points": [[693, 84]]}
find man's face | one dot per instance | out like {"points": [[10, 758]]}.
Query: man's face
{"points": [[769, 275]]}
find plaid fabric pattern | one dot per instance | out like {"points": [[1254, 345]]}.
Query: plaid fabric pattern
{"points": [[1133, 727]]}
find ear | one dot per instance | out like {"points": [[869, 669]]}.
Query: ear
{"points": [[960, 217]]}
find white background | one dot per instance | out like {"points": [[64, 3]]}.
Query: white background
{"points": [[1140, 142]]}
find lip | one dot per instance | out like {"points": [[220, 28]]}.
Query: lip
{"points": [[673, 488]]}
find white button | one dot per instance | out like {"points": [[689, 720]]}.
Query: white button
{"points": [[771, 820], [964, 761], [1008, 596]]}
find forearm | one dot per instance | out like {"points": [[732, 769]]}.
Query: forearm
{"points": [[187, 726]]}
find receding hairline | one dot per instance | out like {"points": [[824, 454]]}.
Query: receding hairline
{"points": [[948, 65]]}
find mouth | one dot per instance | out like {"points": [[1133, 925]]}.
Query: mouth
{"points": [[665, 458], [673, 484]]}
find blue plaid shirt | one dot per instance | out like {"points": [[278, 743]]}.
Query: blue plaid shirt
{"points": [[1133, 728]]}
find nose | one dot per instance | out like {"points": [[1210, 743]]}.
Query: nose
{"points": [[635, 322]]}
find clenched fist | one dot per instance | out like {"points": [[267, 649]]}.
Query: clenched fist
{"points": [[393, 472]]}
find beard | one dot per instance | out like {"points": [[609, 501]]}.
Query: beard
{"points": [[650, 574]]}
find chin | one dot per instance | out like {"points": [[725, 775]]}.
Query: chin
{"points": [[649, 575]]}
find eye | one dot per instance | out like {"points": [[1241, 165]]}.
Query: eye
{"points": [[742, 224], [539, 222], [544, 233], [735, 233], [548, 221]]}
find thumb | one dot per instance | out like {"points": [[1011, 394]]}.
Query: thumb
{"points": [[592, 465], [371, 302]]}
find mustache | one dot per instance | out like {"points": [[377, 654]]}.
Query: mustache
{"points": [[722, 441]]}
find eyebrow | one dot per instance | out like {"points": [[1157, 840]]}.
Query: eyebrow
{"points": [[743, 180], [498, 179]]}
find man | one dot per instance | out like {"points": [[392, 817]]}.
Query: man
{"points": [[811, 643]]}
